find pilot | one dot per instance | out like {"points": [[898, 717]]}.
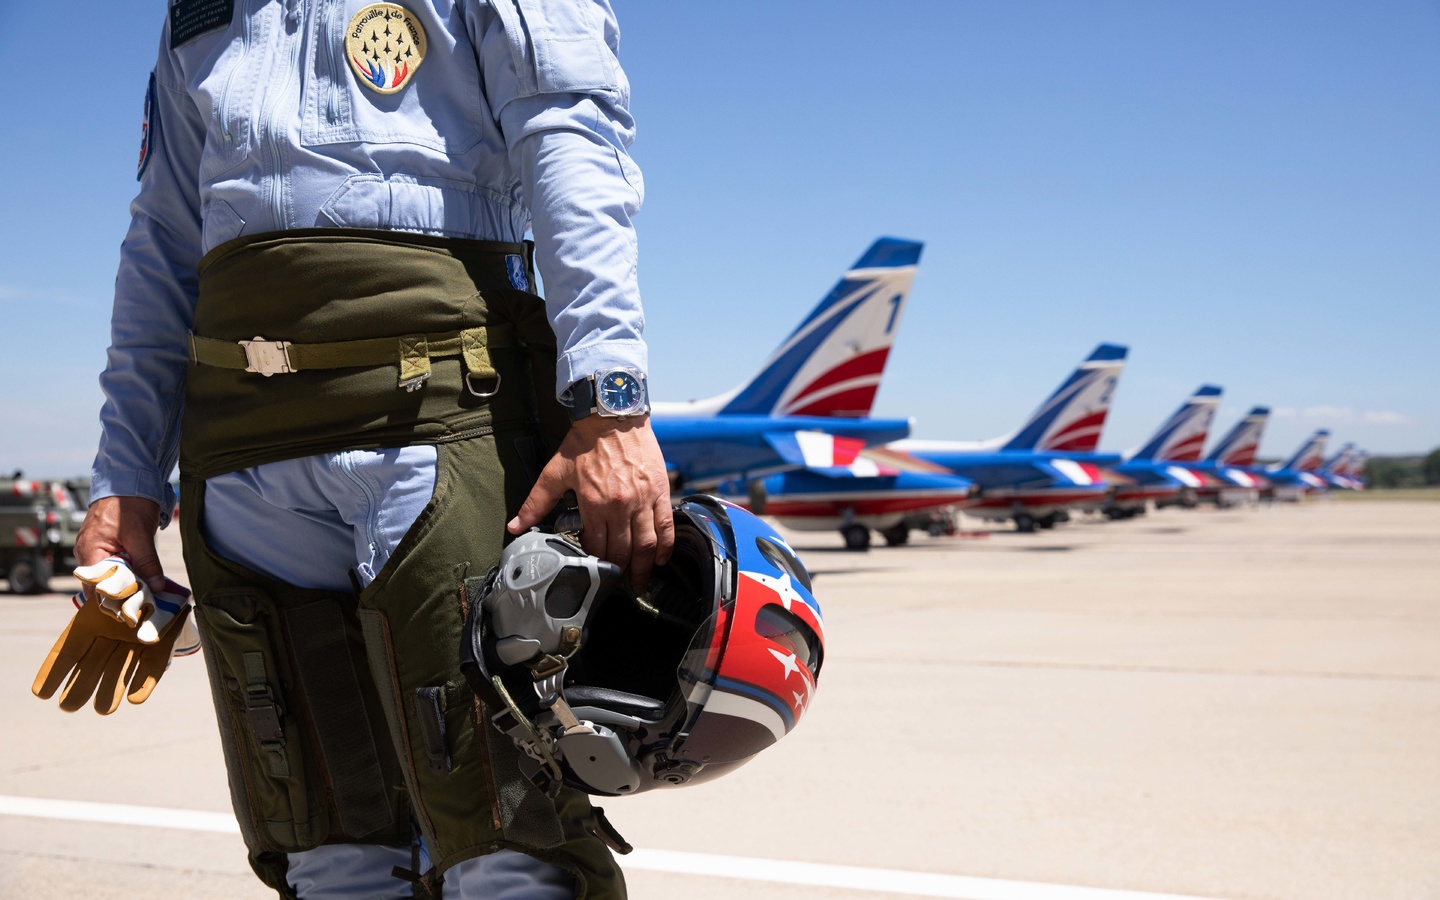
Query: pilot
{"points": [[326, 278]]}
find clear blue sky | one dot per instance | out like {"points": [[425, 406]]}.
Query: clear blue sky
{"points": [[1246, 194]]}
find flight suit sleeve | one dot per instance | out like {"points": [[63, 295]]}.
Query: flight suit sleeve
{"points": [[154, 308], [552, 77]]}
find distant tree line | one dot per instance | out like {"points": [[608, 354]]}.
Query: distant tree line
{"points": [[1404, 471]]}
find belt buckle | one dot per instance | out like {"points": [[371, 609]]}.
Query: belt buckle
{"points": [[267, 357]]}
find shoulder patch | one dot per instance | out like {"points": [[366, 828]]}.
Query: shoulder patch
{"points": [[148, 124], [385, 44], [192, 18]]}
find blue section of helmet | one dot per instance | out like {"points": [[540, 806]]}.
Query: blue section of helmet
{"points": [[749, 690]]}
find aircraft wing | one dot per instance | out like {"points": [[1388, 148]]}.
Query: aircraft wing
{"points": [[888, 459], [814, 449]]}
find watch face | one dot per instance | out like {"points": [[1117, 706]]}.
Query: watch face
{"points": [[620, 393]]}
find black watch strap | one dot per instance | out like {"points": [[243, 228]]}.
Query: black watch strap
{"points": [[582, 399]]}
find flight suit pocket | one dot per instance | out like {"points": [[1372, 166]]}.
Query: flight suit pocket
{"points": [[569, 50], [264, 746], [220, 223], [428, 205]]}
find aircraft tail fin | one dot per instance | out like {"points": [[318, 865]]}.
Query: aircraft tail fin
{"points": [[1339, 464], [832, 363], [1311, 453], [1182, 437], [1072, 418], [1240, 444], [1356, 469]]}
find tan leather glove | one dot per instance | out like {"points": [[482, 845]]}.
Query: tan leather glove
{"points": [[124, 597], [101, 655]]}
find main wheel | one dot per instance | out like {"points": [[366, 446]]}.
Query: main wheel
{"points": [[30, 575], [1048, 520], [1024, 523], [857, 537], [896, 535]]}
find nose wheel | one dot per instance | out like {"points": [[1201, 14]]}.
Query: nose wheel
{"points": [[857, 537]]}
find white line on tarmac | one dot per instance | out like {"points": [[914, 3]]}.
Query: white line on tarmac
{"points": [[884, 881]]}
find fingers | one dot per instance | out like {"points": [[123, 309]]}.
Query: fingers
{"points": [[595, 535], [642, 548], [547, 492], [664, 529], [152, 661], [618, 548], [58, 662], [144, 560], [113, 677], [103, 658], [137, 607], [116, 526], [101, 571]]}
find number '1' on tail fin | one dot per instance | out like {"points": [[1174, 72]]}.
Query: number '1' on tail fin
{"points": [[831, 364]]}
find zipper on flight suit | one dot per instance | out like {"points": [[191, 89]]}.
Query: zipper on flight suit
{"points": [[328, 39], [294, 21], [225, 127]]}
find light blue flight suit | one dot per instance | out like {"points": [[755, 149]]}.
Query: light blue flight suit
{"points": [[516, 119]]}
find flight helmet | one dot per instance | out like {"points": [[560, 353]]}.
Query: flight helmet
{"points": [[616, 693]]}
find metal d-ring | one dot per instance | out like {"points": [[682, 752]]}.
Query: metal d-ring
{"points": [[483, 395]]}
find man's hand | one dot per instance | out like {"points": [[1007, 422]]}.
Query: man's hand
{"points": [[615, 468], [126, 526]]}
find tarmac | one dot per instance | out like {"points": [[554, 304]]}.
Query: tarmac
{"points": [[1221, 704]]}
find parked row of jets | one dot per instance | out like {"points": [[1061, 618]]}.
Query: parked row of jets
{"points": [[797, 440]]}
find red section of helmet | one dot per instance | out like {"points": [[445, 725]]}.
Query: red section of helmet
{"points": [[758, 663]]}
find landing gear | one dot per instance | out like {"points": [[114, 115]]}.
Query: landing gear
{"points": [[1024, 523], [30, 575], [896, 535], [857, 537], [1048, 520]]}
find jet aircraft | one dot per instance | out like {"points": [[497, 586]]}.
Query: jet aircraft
{"points": [[1342, 471], [1233, 459], [1050, 463], [808, 405], [1157, 471], [1298, 475], [884, 490]]}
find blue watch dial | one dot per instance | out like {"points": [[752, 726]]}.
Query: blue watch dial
{"points": [[620, 393]]}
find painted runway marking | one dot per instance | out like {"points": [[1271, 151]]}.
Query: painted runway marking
{"points": [[775, 871]]}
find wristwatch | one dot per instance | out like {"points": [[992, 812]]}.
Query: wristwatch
{"points": [[613, 393]]}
